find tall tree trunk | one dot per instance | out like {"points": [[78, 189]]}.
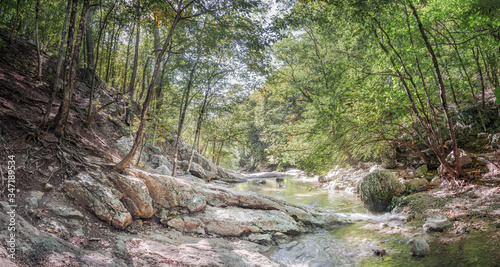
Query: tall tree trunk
{"points": [[481, 78], [62, 116], [13, 31], [198, 125], [55, 83], [218, 154], [140, 132], [134, 69], [124, 88], [144, 75], [442, 93], [112, 44], [38, 52], [92, 84], [90, 45], [182, 115]]}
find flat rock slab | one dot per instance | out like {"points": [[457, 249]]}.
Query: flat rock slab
{"points": [[203, 252], [234, 221]]}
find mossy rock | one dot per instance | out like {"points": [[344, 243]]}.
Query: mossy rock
{"points": [[378, 188]]}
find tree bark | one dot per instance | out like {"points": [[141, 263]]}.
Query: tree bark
{"points": [[55, 83], [126, 61], [70, 72], [140, 132], [13, 31]]}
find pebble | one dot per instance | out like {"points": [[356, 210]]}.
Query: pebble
{"points": [[420, 247], [48, 187]]}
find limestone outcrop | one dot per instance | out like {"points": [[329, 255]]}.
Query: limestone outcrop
{"points": [[188, 206]]}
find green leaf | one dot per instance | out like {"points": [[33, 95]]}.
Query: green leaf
{"points": [[497, 94]]}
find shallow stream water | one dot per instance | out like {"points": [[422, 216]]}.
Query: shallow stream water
{"points": [[321, 247], [351, 244]]}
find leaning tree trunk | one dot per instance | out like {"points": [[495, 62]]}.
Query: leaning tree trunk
{"points": [[62, 115], [55, 83], [140, 132]]}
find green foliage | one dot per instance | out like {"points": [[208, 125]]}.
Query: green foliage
{"points": [[497, 94]]}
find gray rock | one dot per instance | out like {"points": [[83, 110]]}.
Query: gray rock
{"points": [[29, 241], [375, 168], [48, 187], [437, 223], [417, 185], [420, 247], [263, 239], [280, 238], [463, 158], [234, 221], [101, 198], [158, 160], [494, 140], [198, 171], [65, 211], [33, 198], [124, 144], [163, 169], [378, 188]]}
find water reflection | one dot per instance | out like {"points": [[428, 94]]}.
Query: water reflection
{"points": [[299, 191]]}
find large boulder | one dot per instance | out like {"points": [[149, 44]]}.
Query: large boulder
{"points": [[135, 195], [197, 170], [378, 188], [463, 159], [421, 171], [124, 144], [96, 193], [159, 160]]}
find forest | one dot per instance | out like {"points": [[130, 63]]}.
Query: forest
{"points": [[256, 84], [232, 90]]}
